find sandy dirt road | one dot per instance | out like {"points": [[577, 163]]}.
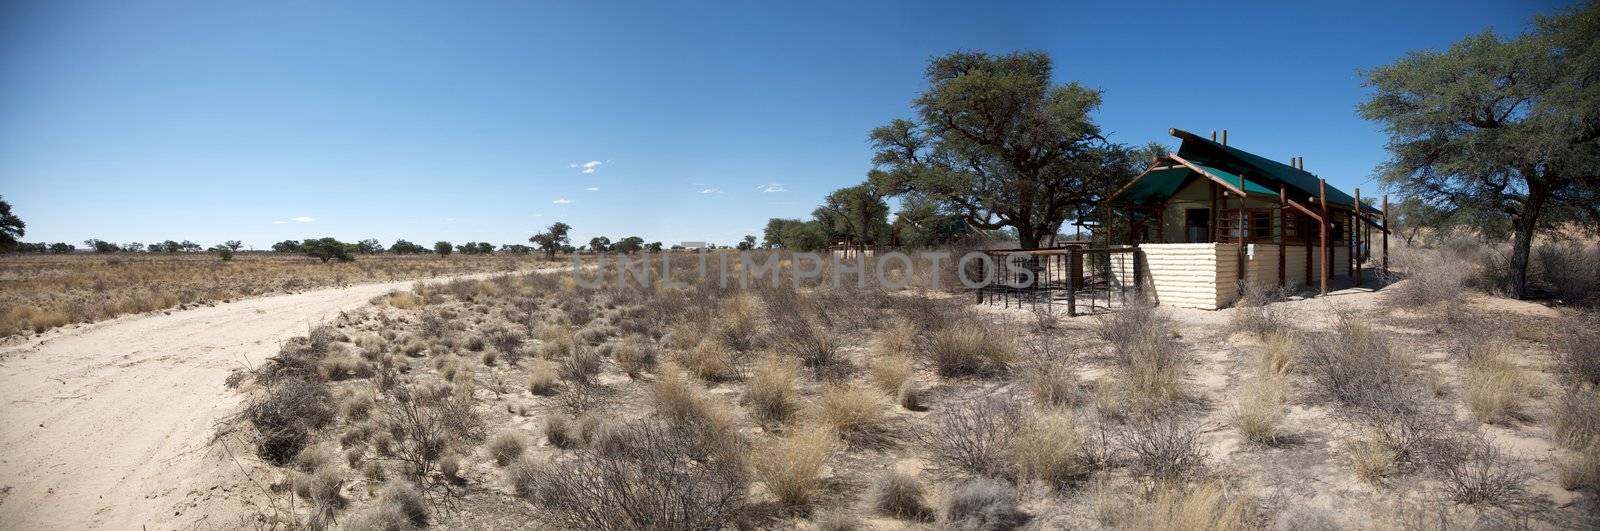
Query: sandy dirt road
{"points": [[106, 425]]}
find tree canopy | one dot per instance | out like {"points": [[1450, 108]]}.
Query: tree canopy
{"points": [[1000, 145], [1505, 130], [11, 227], [552, 239]]}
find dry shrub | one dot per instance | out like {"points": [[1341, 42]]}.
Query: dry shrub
{"points": [[506, 446], [1429, 278], [1256, 313], [1202, 507], [899, 339], [1577, 346], [899, 495], [1259, 409], [982, 503], [654, 481], [737, 326], [506, 342], [1148, 364], [581, 367], [1567, 270], [356, 406], [856, 413], [1354, 366], [1582, 470], [342, 367], [685, 408], [975, 437], [1483, 475], [425, 425], [542, 379], [1496, 387], [558, 432], [1575, 417], [555, 343], [1050, 450], [287, 417], [1053, 383], [791, 466], [771, 395], [815, 346], [635, 357], [970, 347], [1163, 446]]}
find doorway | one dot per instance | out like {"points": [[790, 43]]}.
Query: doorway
{"points": [[1197, 225]]}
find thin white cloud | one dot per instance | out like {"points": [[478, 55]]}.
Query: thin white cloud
{"points": [[711, 191], [303, 219], [772, 188], [592, 189], [562, 201], [587, 167]]}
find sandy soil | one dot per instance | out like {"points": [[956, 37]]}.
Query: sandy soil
{"points": [[106, 425]]}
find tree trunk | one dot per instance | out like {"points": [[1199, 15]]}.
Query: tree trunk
{"points": [[1027, 237], [1522, 239]]}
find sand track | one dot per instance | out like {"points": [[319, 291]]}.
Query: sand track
{"points": [[106, 425]]}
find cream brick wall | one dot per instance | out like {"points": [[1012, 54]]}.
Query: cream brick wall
{"points": [[1262, 265], [1191, 275], [1294, 265]]}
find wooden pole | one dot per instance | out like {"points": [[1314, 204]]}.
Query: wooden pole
{"points": [[1224, 137], [1322, 249], [1355, 237], [1386, 234], [1283, 221]]}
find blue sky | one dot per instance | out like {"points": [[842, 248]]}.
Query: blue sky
{"points": [[264, 121]]}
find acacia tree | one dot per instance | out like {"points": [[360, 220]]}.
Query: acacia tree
{"points": [[552, 239], [599, 244], [1509, 127], [11, 227], [1000, 145], [858, 213]]}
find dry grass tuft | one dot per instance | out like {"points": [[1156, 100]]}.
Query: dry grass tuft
{"points": [[1201, 507], [982, 503], [900, 496], [1371, 459], [558, 432], [506, 447], [856, 413], [1496, 387], [771, 396], [710, 360], [891, 371], [1259, 409], [542, 379], [975, 437], [1050, 450], [791, 466], [970, 347]]}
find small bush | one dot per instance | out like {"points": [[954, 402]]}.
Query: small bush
{"points": [[635, 357], [771, 395], [1577, 346], [1164, 447], [1582, 470], [1355, 367], [1430, 278], [791, 466], [581, 367], [975, 437], [654, 483], [558, 432], [982, 503], [970, 347], [898, 495], [1484, 476], [286, 417], [399, 506], [506, 447], [1255, 312], [1575, 417], [1371, 459]]}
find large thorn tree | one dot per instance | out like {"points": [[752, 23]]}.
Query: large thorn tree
{"points": [[997, 143], [1510, 127]]}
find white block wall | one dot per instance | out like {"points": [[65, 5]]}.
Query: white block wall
{"points": [[1191, 275]]}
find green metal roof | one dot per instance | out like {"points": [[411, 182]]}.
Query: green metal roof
{"points": [[1262, 176]]}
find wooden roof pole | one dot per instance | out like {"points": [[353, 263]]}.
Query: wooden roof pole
{"points": [[1322, 226], [1385, 234], [1224, 137]]}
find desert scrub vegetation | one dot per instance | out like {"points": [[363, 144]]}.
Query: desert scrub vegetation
{"points": [[615, 408], [40, 292]]}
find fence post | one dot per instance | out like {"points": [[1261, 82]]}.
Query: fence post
{"points": [[1072, 282]]}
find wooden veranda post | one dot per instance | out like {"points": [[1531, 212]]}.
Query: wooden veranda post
{"points": [[1385, 234], [1322, 249], [1355, 238], [1283, 221]]}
